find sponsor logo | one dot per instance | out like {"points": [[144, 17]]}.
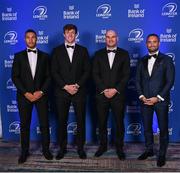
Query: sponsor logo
{"points": [[10, 38], [168, 36], [169, 10], [136, 12], [134, 60], [103, 11], [134, 129], [8, 62], [9, 15], [136, 35], [171, 106], [12, 107], [71, 13], [100, 38], [10, 85], [40, 13], [72, 128], [42, 38], [14, 127]]}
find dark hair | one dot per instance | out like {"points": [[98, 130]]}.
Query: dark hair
{"points": [[30, 30], [155, 35], [69, 27]]}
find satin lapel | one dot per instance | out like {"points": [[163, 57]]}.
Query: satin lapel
{"points": [[106, 60], [145, 62], [26, 60], [66, 56]]}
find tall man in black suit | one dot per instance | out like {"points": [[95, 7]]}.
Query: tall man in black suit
{"points": [[111, 69], [154, 79], [31, 76], [70, 69]]}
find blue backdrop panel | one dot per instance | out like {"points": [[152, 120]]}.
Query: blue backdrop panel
{"points": [[133, 20]]}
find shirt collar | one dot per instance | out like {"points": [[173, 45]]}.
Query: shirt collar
{"points": [[157, 52]]}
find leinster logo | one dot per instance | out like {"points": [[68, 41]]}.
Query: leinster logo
{"points": [[103, 11], [134, 129], [10, 38], [169, 10], [14, 127], [72, 128], [40, 13], [136, 35]]}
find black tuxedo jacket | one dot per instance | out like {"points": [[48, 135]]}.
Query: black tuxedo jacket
{"points": [[64, 72], [161, 80], [116, 77], [22, 77]]}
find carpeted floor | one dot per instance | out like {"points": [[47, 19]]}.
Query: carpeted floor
{"points": [[109, 162]]}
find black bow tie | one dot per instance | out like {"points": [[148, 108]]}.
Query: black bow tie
{"points": [[68, 46], [109, 51], [30, 50], [154, 56]]}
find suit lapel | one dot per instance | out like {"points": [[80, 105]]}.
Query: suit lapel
{"points": [[66, 56], [106, 60], [27, 63], [38, 63], [145, 62]]}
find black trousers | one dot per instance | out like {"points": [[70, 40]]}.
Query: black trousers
{"points": [[62, 106], [161, 111], [25, 111], [103, 105]]}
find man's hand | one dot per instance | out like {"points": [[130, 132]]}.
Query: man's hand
{"points": [[71, 89], [151, 101], [109, 93], [29, 96], [37, 95]]}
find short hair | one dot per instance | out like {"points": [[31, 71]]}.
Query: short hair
{"points": [[69, 27], [30, 30], [153, 34]]}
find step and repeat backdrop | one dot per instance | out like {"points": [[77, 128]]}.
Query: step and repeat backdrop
{"points": [[132, 19]]}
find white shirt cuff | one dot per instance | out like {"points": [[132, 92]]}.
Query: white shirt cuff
{"points": [[159, 97], [141, 96]]}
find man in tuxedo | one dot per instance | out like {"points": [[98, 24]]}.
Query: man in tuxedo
{"points": [[31, 76], [154, 79], [111, 70], [70, 70]]}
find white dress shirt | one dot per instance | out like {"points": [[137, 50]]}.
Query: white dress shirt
{"points": [[111, 56], [70, 51], [32, 57]]}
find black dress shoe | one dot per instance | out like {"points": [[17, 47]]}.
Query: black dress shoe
{"points": [[47, 154], [145, 155], [161, 161], [23, 157], [82, 154], [101, 150], [61, 154], [121, 155]]}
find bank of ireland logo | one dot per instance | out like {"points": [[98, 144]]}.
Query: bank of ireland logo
{"points": [[134, 129], [14, 127], [103, 11], [40, 13], [72, 128], [169, 10], [10, 38], [136, 35]]}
